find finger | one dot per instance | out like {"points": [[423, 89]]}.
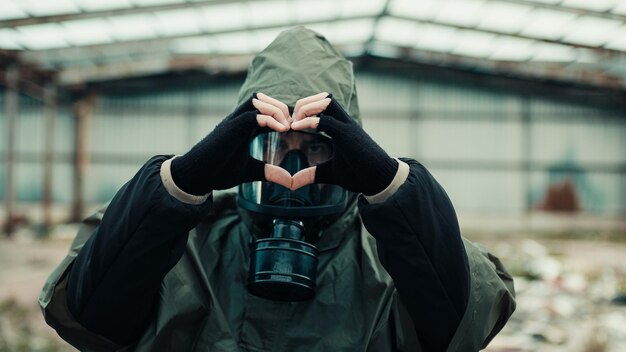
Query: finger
{"points": [[303, 177], [309, 99], [271, 110], [277, 103], [311, 109], [270, 122], [309, 122], [278, 175]]}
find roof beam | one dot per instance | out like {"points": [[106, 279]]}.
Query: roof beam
{"points": [[574, 10], [534, 82], [600, 50], [384, 12], [597, 77], [100, 50], [108, 13], [165, 62], [202, 3], [154, 65]]}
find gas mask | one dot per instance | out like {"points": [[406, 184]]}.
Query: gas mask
{"points": [[283, 260]]}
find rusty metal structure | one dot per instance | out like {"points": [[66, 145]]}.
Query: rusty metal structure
{"points": [[85, 40], [65, 49]]}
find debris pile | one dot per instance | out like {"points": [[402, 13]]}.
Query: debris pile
{"points": [[561, 307]]}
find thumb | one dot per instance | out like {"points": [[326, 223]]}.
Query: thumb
{"points": [[303, 177], [278, 175]]}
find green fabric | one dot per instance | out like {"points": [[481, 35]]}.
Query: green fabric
{"points": [[52, 299], [300, 63], [491, 301], [242, 322], [204, 305]]}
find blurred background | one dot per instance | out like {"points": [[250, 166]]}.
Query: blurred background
{"points": [[518, 107]]}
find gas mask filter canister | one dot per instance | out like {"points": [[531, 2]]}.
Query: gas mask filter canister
{"points": [[283, 266]]}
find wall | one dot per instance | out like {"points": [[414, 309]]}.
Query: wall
{"points": [[495, 151]]}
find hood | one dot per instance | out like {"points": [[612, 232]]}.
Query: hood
{"points": [[299, 63]]}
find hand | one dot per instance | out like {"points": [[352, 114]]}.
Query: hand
{"points": [[222, 160], [273, 110], [358, 163]]}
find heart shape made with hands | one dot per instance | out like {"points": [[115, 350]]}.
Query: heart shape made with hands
{"points": [[274, 114]]}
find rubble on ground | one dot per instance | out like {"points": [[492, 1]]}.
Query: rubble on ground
{"points": [[562, 307]]}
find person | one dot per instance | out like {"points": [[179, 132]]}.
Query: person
{"points": [[329, 245]]}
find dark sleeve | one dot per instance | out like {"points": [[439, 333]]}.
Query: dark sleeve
{"points": [[420, 245], [115, 279]]}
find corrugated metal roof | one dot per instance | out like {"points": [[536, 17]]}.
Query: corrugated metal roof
{"points": [[87, 40]]}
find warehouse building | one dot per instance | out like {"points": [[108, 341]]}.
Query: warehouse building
{"points": [[515, 106]]}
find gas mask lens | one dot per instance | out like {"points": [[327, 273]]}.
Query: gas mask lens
{"points": [[273, 147], [293, 151]]}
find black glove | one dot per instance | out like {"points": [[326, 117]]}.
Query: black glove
{"points": [[222, 159], [358, 163]]}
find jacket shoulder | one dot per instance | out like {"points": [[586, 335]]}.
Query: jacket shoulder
{"points": [[53, 297], [491, 301]]}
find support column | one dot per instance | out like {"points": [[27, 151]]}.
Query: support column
{"points": [[83, 112], [11, 111], [527, 151], [50, 110]]}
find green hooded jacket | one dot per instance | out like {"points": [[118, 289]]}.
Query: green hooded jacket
{"points": [[202, 303]]}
